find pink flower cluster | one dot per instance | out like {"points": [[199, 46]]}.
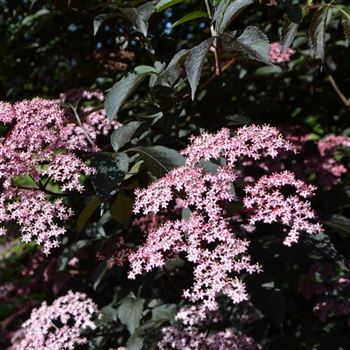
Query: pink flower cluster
{"points": [[115, 254], [332, 289], [270, 205], [276, 56], [58, 326], [251, 141], [37, 148], [321, 162], [94, 123], [330, 169], [317, 281], [6, 290], [94, 120], [38, 218], [189, 332], [75, 95], [194, 339], [205, 237]]}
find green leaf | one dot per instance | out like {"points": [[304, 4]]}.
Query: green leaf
{"points": [[110, 173], [288, 33], [139, 16], [186, 213], [317, 31], [340, 224], [164, 4], [251, 41], [268, 70], [172, 72], [227, 11], [109, 312], [159, 159], [164, 313], [121, 209], [346, 27], [345, 20], [189, 17], [322, 246], [123, 134], [194, 63], [134, 170], [87, 212], [292, 21], [37, 15], [209, 166], [130, 312], [135, 342], [122, 89]]}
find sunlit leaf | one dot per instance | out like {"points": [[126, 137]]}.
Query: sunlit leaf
{"points": [[164, 4], [227, 11], [251, 41], [159, 159], [189, 17], [123, 134], [130, 312], [139, 16], [122, 89]]}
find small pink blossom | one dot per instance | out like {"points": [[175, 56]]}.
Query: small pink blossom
{"points": [[276, 56], [74, 95], [66, 169], [7, 113]]}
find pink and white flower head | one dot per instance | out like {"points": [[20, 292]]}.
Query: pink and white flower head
{"points": [[276, 56], [270, 205], [37, 146], [58, 326], [205, 238]]}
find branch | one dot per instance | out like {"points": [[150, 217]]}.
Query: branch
{"points": [[342, 97], [93, 144]]}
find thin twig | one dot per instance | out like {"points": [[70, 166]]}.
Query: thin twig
{"points": [[213, 77], [208, 9], [336, 88], [40, 188], [93, 144], [216, 45]]}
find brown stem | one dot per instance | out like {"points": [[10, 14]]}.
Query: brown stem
{"points": [[95, 109], [336, 88], [213, 77], [216, 45], [93, 144], [41, 188]]}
